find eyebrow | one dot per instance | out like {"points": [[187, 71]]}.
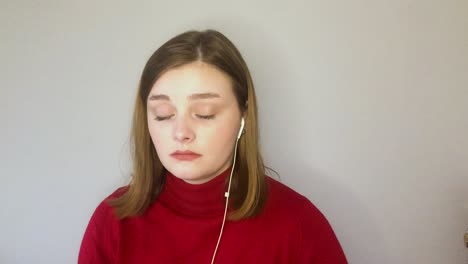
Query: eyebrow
{"points": [[195, 96]]}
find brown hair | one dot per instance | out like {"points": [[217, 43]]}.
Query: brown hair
{"points": [[248, 188]]}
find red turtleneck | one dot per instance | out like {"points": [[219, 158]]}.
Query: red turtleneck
{"points": [[183, 224]]}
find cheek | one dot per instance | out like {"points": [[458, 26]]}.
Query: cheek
{"points": [[220, 140], [157, 137]]}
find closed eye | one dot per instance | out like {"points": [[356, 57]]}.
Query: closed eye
{"points": [[162, 118], [206, 116]]}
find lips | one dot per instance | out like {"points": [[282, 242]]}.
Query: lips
{"points": [[185, 155]]}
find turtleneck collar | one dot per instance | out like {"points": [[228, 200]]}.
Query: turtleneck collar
{"points": [[195, 200]]}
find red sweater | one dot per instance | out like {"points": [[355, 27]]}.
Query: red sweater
{"points": [[183, 224]]}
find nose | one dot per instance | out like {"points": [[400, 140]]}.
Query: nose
{"points": [[183, 131]]}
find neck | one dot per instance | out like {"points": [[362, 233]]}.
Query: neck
{"points": [[196, 200]]}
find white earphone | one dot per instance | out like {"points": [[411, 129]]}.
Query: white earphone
{"points": [[241, 128]]}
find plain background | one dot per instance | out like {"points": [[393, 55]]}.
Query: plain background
{"points": [[363, 108]]}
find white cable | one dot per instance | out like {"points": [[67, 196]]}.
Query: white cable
{"points": [[226, 194]]}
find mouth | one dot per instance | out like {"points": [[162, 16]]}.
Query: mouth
{"points": [[185, 155]]}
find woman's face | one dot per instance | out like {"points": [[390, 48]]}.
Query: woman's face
{"points": [[193, 108]]}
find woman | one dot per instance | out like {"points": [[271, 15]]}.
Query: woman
{"points": [[199, 193]]}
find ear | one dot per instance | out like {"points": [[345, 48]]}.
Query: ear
{"points": [[244, 111]]}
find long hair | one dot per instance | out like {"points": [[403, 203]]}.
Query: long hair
{"points": [[248, 187]]}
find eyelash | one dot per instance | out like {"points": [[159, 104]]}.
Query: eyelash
{"points": [[208, 117]]}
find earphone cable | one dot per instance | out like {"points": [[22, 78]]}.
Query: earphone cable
{"points": [[226, 194]]}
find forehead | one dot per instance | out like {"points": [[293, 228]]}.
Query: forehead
{"points": [[193, 78]]}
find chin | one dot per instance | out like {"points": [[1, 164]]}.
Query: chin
{"points": [[185, 171], [193, 179]]}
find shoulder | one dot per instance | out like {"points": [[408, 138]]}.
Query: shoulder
{"points": [[101, 234], [311, 233], [104, 212], [118, 192], [297, 208], [290, 209], [287, 200]]}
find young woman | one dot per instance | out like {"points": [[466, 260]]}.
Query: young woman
{"points": [[198, 192]]}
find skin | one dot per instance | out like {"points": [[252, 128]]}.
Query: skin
{"points": [[204, 125]]}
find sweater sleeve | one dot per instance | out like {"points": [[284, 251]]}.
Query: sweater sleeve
{"points": [[99, 240], [317, 243]]}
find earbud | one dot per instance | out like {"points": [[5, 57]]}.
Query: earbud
{"points": [[241, 128]]}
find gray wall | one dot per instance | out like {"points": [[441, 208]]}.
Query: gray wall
{"points": [[363, 109]]}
